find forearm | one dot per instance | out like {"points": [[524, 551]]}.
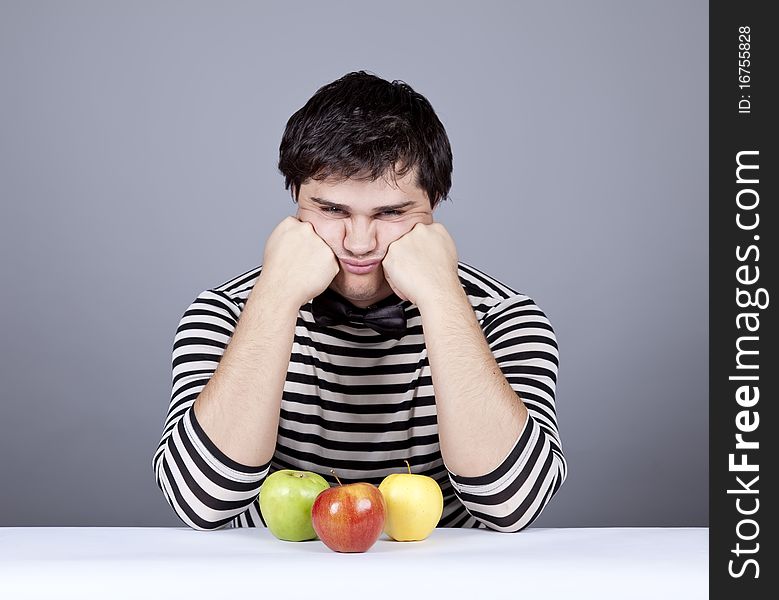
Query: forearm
{"points": [[495, 399], [527, 467], [239, 407], [480, 416]]}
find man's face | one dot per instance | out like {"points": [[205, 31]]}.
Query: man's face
{"points": [[359, 220]]}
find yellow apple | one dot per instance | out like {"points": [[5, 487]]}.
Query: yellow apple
{"points": [[414, 505]]}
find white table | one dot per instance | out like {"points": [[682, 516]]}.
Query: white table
{"points": [[456, 564]]}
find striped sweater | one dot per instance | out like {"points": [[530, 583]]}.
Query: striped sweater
{"points": [[362, 403]]}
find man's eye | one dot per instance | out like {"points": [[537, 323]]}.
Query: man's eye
{"points": [[391, 213], [332, 210]]}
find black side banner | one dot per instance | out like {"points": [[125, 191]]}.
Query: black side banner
{"points": [[743, 228]]}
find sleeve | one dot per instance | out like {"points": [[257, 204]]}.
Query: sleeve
{"points": [[510, 497], [204, 487]]}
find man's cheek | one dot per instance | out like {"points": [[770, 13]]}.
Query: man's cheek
{"points": [[331, 232], [390, 238], [309, 216], [409, 224], [399, 229]]}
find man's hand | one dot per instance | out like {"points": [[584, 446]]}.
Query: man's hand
{"points": [[421, 266], [297, 261]]}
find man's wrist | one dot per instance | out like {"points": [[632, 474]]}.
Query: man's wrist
{"points": [[441, 296], [270, 294]]}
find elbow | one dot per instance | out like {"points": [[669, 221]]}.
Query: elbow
{"points": [[515, 529], [510, 523], [195, 526], [518, 511], [200, 518], [196, 509]]}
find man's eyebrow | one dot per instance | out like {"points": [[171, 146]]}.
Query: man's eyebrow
{"points": [[387, 207]]}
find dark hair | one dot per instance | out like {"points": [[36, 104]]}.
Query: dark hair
{"points": [[364, 127]]}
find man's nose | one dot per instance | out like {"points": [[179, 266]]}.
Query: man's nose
{"points": [[360, 236]]}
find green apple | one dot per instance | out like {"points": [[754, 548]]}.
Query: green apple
{"points": [[414, 505], [286, 498]]}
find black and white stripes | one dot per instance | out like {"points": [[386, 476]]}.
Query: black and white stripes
{"points": [[361, 403]]}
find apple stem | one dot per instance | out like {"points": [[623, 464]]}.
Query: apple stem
{"points": [[409, 466], [336, 477]]}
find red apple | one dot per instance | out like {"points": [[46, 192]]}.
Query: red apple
{"points": [[349, 518]]}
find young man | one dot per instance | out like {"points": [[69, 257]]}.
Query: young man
{"points": [[361, 341]]}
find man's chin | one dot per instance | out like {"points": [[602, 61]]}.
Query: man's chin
{"points": [[361, 292]]}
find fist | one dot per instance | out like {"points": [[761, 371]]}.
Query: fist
{"points": [[422, 264], [298, 261]]}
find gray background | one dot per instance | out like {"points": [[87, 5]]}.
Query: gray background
{"points": [[138, 148]]}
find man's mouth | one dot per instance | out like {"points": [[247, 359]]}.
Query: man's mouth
{"points": [[360, 267]]}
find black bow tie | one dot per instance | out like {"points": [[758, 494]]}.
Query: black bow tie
{"points": [[387, 316]]}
